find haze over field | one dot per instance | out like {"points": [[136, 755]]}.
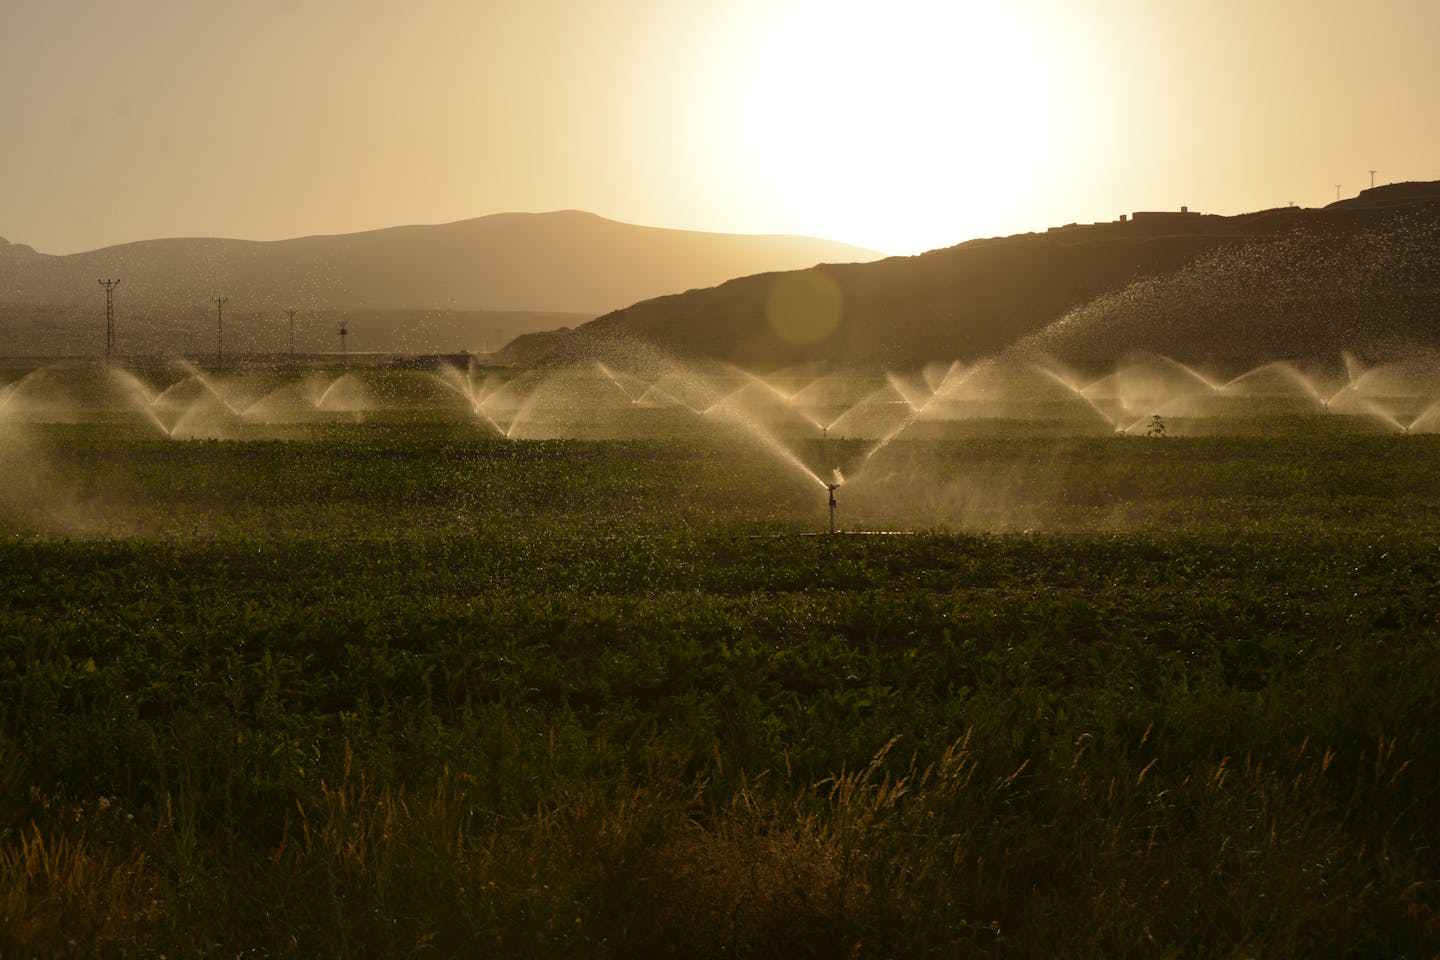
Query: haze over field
{"points": [[562, 262]]}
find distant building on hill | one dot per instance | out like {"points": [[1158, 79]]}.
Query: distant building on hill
{"points": [[1143, 221], [1165, 218]]}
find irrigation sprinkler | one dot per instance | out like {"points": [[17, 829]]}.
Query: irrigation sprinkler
{"points": [[832, 487], [344, 332]]}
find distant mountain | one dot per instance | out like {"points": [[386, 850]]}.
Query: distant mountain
{"points": [[565, 262], [1276, 283]]}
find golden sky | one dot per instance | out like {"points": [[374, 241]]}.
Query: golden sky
{"points": [[899, 125]]}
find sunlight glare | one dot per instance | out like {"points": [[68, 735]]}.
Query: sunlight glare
{"points": [[904, 123]]}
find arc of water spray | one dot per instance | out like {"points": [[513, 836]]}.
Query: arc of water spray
{"points": [[12, 390], [490, 420], [297, 386], [610, 375], [903, 389], [1383, 415], [205, 382], [945, 387], [1432, 412], [325, 394], [1286, 370], [756, 378], [461, 389], [1354, 400], [786, 399], [1184, 369], [38, 373], [722, 402], [662, 395], [871, 399], [160, 424], [955, 365], [1354, 369], [465, 389], [141, 397], [814, 385], [521, 411], [1235, 388], [164, 395], [779, 449], [1077, 391]]}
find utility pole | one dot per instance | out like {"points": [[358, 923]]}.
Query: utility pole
{"points": [[109, 286], [292, 332], [1372, 178], [220, 330]]}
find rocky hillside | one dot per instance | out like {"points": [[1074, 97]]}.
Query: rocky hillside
{"points": [[1281, 282]]}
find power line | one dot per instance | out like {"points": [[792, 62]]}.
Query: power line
{"points": [[109, 286], [220, 330]]}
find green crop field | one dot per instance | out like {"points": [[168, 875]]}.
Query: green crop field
{"points": [[401, 688]]}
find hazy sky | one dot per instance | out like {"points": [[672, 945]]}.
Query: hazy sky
{"points": [[899, 124]]}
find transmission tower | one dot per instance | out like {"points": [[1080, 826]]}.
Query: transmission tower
{"points": [[291, 314], [220, 330], [109, 286]]}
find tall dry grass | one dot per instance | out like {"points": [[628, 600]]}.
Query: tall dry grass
{"points": [[1293, 855], [62, 894]]}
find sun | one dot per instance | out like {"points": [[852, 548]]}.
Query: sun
{"points": [[901, 124]]}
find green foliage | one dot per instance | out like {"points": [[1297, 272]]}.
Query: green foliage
{"points": [[423, 694]]}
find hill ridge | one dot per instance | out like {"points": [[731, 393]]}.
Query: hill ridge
{"points": [[571, 262], [988, 295], [505, 215]]}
